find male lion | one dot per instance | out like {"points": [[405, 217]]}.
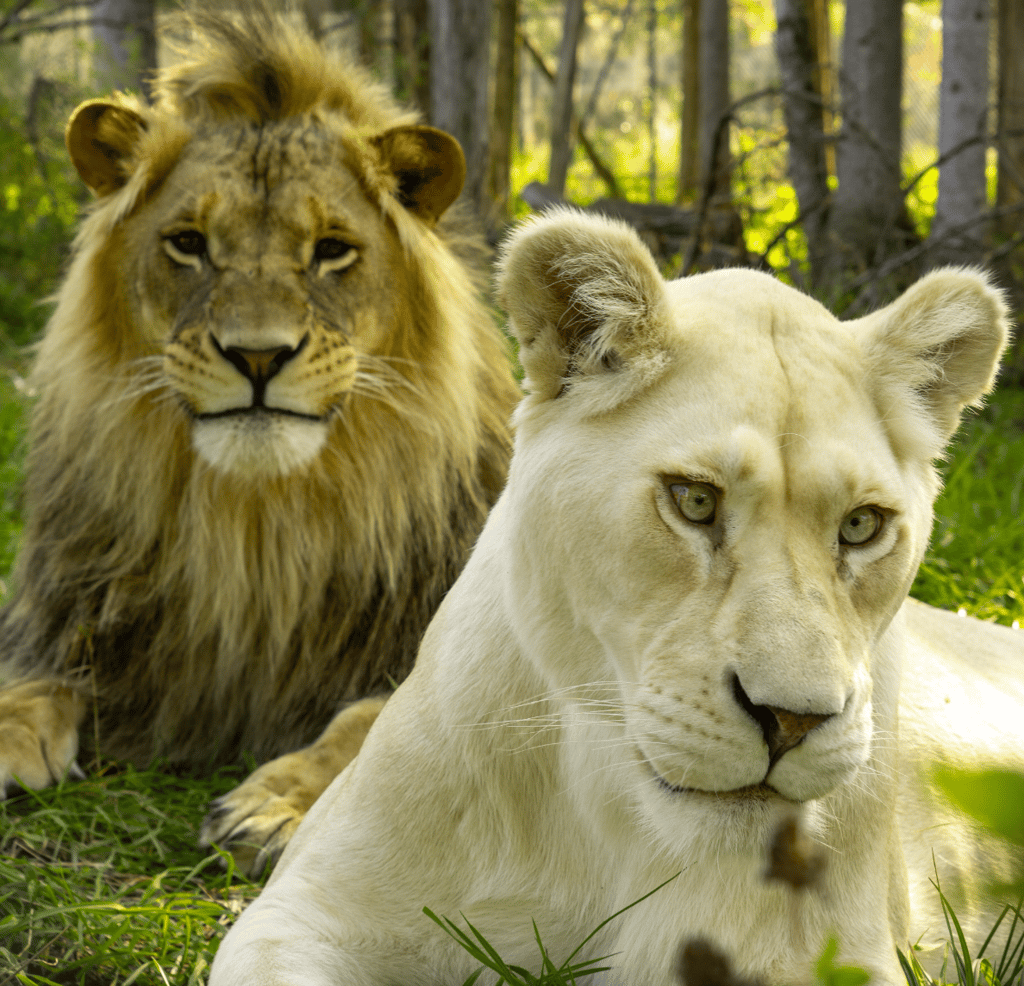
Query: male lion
{"points": [[684, 623], [273, 413]]}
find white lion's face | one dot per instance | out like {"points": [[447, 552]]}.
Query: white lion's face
{"points": [[720, 557]]}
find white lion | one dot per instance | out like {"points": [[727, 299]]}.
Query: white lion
{"points": [[684, 623]]}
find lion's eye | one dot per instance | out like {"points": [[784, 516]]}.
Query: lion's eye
{"points": [[333, 254], [186, 247], [697, 502], [860, 526]]}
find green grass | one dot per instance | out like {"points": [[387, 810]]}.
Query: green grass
{"points": [[102, 881], [12, 435], [976, 559]]}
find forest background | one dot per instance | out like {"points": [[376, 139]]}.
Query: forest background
{"points": [[848, 148]]}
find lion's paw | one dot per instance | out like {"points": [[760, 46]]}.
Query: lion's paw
{"points": [[39, 723], [255, 820], [253, 823]]}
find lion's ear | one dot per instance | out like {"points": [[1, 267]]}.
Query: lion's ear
{"points": [[429, 166], [584, 298], [935, 350], [100, 138]]}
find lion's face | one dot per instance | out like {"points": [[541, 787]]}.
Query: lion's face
{"points": [[259, 281], [266, 272], [724, 506]]}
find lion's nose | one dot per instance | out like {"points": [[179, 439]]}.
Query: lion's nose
{"points": [[258, 366], [782, 728]]}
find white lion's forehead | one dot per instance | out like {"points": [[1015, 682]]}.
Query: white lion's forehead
{"points": [[772, 420], [774, 351], [760, 462]]}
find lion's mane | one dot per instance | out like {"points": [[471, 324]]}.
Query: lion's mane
{"points": [[211, 613]]}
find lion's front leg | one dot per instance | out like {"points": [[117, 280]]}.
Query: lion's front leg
{"points": [[256, 819], [39, 723]]}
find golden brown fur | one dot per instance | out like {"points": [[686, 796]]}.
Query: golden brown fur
{"points": [[231, 596]]}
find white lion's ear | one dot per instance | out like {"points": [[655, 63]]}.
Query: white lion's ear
{"points": [[935, 350], [584, 299]]}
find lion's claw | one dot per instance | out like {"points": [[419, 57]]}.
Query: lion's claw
{"points": [[252, 824]]}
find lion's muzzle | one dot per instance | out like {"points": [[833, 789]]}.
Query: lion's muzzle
{"points": [[783, 730], [259, 366]]}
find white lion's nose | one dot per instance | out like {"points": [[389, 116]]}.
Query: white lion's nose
{"points": [[783, 729]]}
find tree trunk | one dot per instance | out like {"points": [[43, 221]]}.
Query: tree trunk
{"points": [[125, 32], [802, 104], [824, 73], [652, 89], [715, 101], [506, 47], [600, 168], [529, 84], [867, 220], [562, 141], [1010, 177], [957, 233], [460, 61], [412, 54], [689, 168]]}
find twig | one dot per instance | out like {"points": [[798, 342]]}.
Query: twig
{"points": [[869, 277], [602, 76], [709, 181], [822, 203], [603, 171]]}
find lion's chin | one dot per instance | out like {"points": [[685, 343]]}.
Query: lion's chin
{"points": [[258, 444]]}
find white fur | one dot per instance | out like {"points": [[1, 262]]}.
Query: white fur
{"points": [[259, 444], [595, 640]]}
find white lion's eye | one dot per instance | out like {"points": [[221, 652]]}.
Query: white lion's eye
{"points": [[860, 526], [697, 502], [333, 254]]}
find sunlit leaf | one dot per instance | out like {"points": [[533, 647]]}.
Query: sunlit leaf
{"points": [[995, 798]]}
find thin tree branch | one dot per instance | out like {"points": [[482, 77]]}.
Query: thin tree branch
{"points": [[821, 204], [602, 75], [40, 28], [602, 170], [866, 280], [708, 190], [41, 21]]}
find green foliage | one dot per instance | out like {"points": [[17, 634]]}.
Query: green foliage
{"points": [[39, 199], [826, 971], [830, 974], [995, 798], [103, 881], [980, 971]]}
